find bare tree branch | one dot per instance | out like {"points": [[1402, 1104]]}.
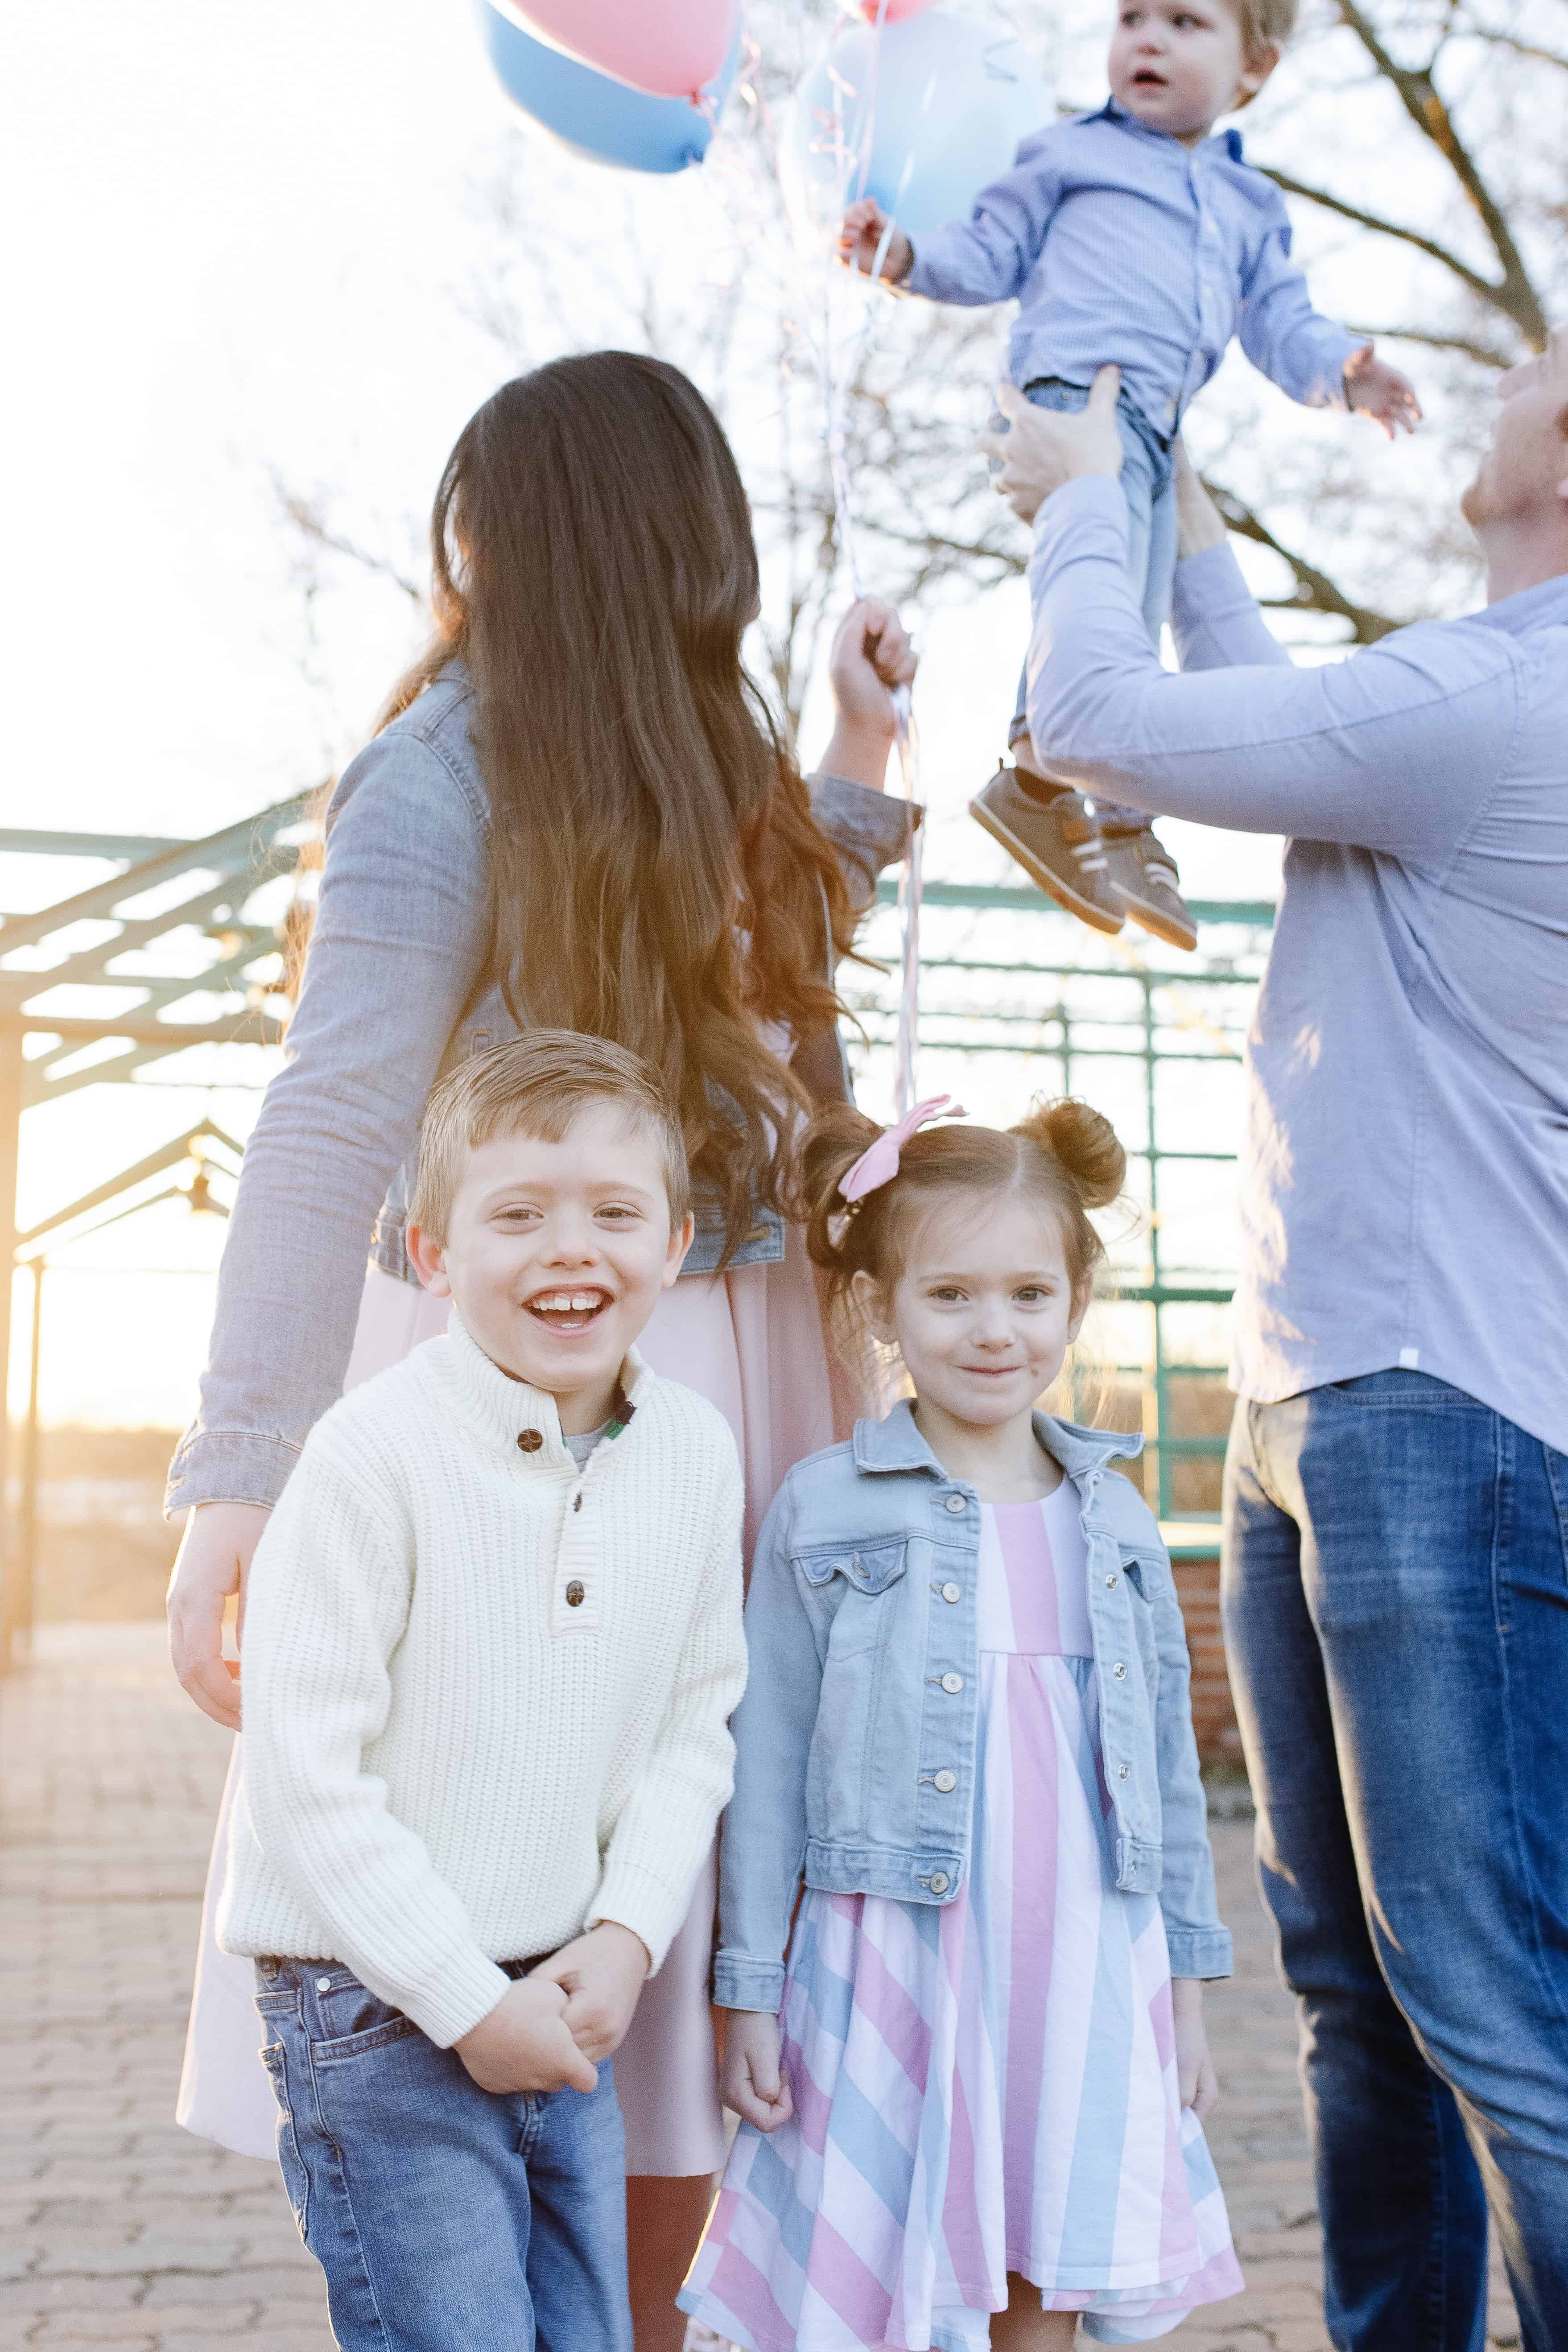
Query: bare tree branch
{"points": [[311, 522], [1484, 354], [1419, 94], [1315, 592], [1486, 288]]}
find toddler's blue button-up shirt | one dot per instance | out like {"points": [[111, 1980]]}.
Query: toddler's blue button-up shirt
{"points": [[1120, 244]]}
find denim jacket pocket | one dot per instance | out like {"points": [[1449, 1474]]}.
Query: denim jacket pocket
{"points": [[866, 1573]]}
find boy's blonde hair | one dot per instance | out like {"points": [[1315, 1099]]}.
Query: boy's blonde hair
{"points": [[537, 1084], [1265, 23]]}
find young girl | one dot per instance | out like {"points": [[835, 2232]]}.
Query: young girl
{"points": [[972, 2100]]}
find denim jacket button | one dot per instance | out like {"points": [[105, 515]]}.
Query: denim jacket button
{"points": [[952, 1683], [956, 1503], [952, 1593], [939, 1882], [945, 1783]]}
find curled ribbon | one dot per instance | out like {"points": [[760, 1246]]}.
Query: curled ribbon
{"points": [[879, 1164]]}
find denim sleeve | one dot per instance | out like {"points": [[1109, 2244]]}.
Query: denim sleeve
{"points": [[1397, 748], [987, 258], [400, 940], [1199, 1945], [1289, 342], [864, 826], [763, 1841]]}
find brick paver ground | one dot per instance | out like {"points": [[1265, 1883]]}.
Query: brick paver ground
{"points": [[121, 2229]]}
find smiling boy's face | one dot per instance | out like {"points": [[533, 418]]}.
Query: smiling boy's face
{"points": [[555, 1254], [1179, 64]]}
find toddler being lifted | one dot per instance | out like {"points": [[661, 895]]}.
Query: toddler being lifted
{"points": [[1134, 237]]}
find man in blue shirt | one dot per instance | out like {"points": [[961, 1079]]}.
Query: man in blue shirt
{"points": [[1396, 1504], [1134, 237]]}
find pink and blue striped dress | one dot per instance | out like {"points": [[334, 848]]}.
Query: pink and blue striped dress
{"points": [[989, 2086]]}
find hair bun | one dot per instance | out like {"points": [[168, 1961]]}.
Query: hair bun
{"points": [[1083, 1142]]}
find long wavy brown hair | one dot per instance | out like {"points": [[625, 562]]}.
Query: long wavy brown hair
{"points": [[659, 877]]}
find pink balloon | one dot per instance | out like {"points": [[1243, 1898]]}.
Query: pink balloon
{"points": [[667, 47], [894, 13]]}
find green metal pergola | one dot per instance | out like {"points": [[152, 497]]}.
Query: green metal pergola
{"points": [[118, 934], [105, 937]]}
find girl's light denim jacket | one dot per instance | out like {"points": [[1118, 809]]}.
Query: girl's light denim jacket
{"points": [[399, 983], [856, 1753]]}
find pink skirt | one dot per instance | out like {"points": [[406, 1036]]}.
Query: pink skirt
{"points": [[751, 1341]]}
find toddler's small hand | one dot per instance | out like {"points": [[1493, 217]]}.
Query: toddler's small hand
{"points": [[865, 233], [751, 2079], [524, 2043], [1381, 392], [602, 1974]]}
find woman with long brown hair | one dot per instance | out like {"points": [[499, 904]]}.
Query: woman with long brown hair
{"points": [[575, 814]]}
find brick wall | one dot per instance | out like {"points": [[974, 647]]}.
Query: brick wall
{"points": [[1214, 1713]]}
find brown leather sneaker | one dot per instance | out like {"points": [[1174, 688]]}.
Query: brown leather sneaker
{"points": [[1143, 875], [1057, 842]]}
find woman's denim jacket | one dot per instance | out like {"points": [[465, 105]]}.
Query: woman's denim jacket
{"points": [[857, 1738], [399, 983]]}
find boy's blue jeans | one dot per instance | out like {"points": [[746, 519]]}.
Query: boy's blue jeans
{"points": [[1148, 481], [446, 2219], [1396, 1598]]}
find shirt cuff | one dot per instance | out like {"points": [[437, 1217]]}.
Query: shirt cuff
{"points": [[741, 1983], [1199, 1951], [228, 1466], [866, 826]]}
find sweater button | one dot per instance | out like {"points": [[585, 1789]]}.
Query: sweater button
{"points": [[529, 1440], [574, 1593]]}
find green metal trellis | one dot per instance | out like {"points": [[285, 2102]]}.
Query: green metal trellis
{"points": [[115, 935]]}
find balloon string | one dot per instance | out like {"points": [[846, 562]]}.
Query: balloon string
{"points": [[838, 372]]}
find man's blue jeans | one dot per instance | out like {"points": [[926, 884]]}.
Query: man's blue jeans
{"points": [[1396, 1598], [446, 2219]]}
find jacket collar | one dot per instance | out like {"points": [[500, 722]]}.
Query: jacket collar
{"points": [[1229, 139], [501, 1408], [896, 1443]]}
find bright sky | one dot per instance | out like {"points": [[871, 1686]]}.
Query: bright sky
{"points": [[243, 234]]}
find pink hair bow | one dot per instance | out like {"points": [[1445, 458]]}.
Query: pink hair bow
{"points": [[879, 1164]]}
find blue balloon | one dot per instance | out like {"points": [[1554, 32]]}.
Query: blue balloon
{"points": [[603, 120], [946, 98]]}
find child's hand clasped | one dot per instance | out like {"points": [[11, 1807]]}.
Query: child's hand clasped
{"points": [[525, 2043], [860, 239], [1381, 392], [602, 1975], [751, 2079]]}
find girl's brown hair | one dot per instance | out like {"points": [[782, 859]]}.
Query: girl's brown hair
{"points": [[658, 876], [1064, 1157]]}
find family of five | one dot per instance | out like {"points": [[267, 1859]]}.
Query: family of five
{"points": [[565, 1060]]}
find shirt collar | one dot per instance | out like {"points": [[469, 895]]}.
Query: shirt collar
{"points": [[503, 1408], [896, 1443], [1547, 601], [1111, 111]]}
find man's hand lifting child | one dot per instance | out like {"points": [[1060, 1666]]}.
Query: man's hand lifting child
{"points": [[868, 231], [602, 1975], [751, 2079]]}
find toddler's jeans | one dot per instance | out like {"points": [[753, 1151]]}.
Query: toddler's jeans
{"points": [[446, 2219], [1148, 482]]}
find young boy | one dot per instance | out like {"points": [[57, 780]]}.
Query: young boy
{"points": [[492, 1643], [1131, 236]]}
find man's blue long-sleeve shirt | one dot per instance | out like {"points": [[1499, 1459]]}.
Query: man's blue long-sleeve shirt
{"points": [[1404, 1174], [1120, 244]]}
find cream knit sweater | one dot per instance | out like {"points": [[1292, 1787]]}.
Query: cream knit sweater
{"points": [[486, 1694]]}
